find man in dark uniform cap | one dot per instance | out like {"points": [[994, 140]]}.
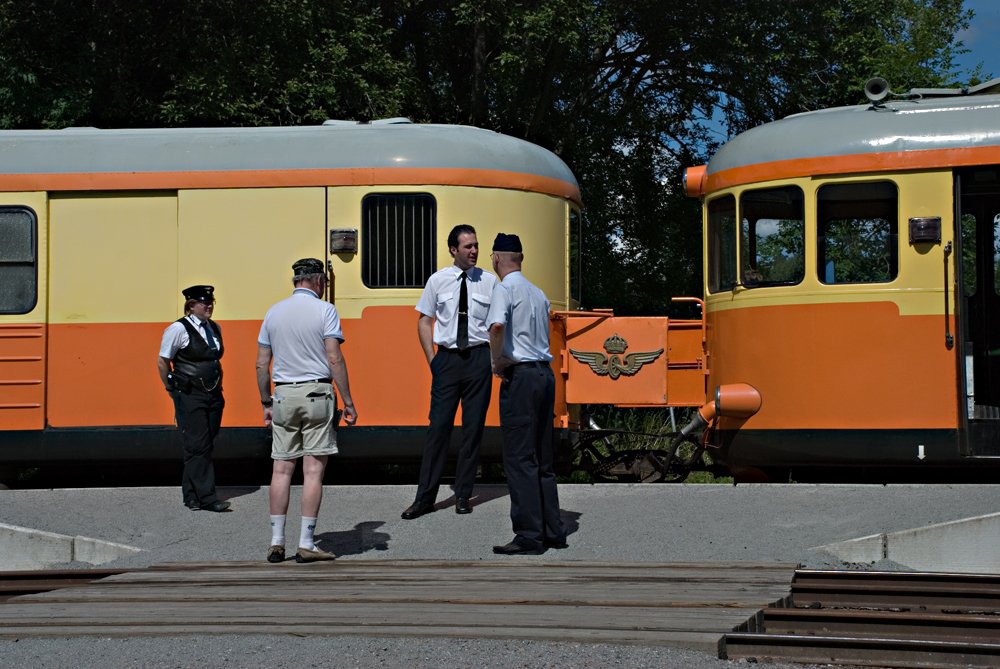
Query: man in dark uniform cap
{"points": [[190, 371], [519, 351]]}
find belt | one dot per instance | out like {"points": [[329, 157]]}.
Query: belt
{"points": [[536, 363], [463, 350], [299, 383]]}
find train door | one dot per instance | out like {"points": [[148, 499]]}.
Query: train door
{"points": [[23, 310], [979, 221]]}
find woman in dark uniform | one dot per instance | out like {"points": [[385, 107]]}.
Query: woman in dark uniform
{"points": [[190, 370]]}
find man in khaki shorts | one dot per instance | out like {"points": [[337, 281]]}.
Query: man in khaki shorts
{"points": [[301, 335]]}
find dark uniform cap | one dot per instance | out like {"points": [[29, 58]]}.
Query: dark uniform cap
{"points": [[307, 266], [199, 293], [510, 243]]}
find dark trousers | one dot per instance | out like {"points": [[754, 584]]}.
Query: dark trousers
{"points": [[458, 376], [199, 415], [527, 399]]}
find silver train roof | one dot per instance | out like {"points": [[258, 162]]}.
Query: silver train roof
{"points": [[931, 119], [333, 145]]}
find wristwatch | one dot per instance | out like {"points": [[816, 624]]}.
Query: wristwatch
{"points": [[267, 403]]}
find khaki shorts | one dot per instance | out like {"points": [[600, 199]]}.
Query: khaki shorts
{"points": [[302, 421]]}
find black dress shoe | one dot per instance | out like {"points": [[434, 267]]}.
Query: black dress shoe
{"points": [[193, 505], [416, 510], [556, 543], [514, 548], [218, 507], [463, 505]]}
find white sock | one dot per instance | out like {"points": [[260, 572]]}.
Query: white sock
{"points": [[278, 530], [306, 536]]}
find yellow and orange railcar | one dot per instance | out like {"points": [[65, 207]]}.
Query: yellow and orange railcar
{"points": [[852, 287], [100, 229]]}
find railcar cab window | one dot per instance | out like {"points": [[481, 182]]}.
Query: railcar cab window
{"points": [[18, 260], [575, 259], [858, 232], [398, 240], [969, 255], [772, 245], [722, 244]]}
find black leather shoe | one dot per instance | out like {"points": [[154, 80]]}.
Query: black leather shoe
{"points": [[514, 548], [463, 505], [556, 543], [193, 505], [218, 507], [416, 510]]}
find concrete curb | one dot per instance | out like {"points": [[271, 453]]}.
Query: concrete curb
{"points": [[967, 545], [23, 548]]}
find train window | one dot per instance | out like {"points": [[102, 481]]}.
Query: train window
{"points": [[18, 260], [575, 258], [398, 240], [969, 254], [858, 233], [772, 248], [722, 244], [996, 254]]}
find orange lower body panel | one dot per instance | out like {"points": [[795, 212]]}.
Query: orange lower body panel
{"points": [[105, 374], [834, 366], [22, 376]]}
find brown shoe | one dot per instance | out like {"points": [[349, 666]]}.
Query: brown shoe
{"points": [[306, 555], [276, 554]]}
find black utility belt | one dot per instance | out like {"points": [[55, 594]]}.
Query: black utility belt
{"points": [[299, 383], [534, 363], [463, 350]]}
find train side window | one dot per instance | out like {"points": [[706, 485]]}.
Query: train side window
{"points": [[398, 240], [858, 232], [18, 260], [722, 244], [996, 254], [772, 251], [575, 258], [969, 254]]}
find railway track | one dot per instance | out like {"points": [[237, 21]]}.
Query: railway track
{"points": [[878, 619], [16, 583]]}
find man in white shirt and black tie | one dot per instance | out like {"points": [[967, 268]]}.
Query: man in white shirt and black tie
{"points": [[453, 310]]}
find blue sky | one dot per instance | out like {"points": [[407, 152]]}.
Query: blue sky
{"points": [[983, 37]]}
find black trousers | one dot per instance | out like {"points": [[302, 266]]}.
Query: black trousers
{"points": [[199, 416], [458, 376], [527, 399]]}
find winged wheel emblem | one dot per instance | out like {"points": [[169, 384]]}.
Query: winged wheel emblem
{"points": [[614, 363]]}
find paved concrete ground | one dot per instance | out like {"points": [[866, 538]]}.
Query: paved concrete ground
{"points": [[614, 523], [631, 523]]}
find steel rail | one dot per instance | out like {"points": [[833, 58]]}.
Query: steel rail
{"points": [[17, 583], [897, 653], [878, 619]]}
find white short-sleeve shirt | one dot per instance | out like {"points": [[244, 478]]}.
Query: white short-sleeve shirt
{"points": [[440, 302], [295, 329], [523, 310], [176, 337]]}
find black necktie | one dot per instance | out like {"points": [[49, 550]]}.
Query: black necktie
{"points": [[463, 316], [208, 336]]}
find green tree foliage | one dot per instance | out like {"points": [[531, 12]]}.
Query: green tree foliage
{"points": [[120, 63], [628, 93]]}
